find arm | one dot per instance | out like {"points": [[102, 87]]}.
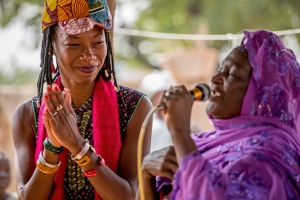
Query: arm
{"points": [[178, 113], [28, 178], [125, 182]]}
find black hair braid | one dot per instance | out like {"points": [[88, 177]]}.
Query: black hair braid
{"points": [[109, 60], [46, 61]]}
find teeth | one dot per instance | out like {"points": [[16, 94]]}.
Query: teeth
{"points": [[215, 93]]}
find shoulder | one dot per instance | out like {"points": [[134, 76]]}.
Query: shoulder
{"points": [[23, 109], [23, 116], [129, 93]]}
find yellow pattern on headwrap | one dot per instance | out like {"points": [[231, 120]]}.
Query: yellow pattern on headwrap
{"points": [[51, 5]]}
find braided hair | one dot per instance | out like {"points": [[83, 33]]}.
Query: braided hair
{"points": [[46, 64]]}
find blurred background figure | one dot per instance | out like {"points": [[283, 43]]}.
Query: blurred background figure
{"points": [[5, 178]]}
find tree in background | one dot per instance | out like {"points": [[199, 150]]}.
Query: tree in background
{"points": [[210, 17]]}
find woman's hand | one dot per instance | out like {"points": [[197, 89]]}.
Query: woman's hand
{"points": [[179, 102], [161, 163], [60, 119]]}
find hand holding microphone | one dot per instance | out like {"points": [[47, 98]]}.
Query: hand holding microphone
{"points": [[200, 92], [177, 103]]}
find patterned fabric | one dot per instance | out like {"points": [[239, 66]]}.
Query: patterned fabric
{"points": [[128, 100], [255, 155], [76, 16]]}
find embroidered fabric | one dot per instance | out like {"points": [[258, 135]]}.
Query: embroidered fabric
{"points": [[255, 155]]}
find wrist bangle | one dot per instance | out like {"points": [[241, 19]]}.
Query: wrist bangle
{"points": [[45, 169], [45, 163], [83, 151], [83, 161], [52, 149], [93, 172]]}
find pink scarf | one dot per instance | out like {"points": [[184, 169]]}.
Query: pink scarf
{"points": [[106, 133]]}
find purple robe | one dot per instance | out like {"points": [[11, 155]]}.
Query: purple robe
{"points": [[255, 155]]}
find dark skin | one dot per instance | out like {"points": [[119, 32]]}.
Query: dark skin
{"points": [[80, 59], [229, 86]]}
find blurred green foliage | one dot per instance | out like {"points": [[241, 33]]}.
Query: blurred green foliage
{"points": [[19, 77]]}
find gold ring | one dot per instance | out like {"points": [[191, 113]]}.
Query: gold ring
{"points": [[54, 114], [59, 107]]}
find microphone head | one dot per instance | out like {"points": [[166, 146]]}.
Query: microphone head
{"points": [[205, 91]]}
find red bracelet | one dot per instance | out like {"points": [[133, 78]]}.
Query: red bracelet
{"points": [[93, 172], [90, 173]]}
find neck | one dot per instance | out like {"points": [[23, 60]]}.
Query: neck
{"points": [[80, 93]]}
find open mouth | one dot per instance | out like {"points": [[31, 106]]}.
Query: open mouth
{"points": [[215, 94]]}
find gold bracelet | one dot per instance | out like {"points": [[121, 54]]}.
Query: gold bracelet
{"points": [[83, 161], [45, 169]]}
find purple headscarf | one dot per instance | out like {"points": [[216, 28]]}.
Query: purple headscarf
{"points": [[257, 154]]}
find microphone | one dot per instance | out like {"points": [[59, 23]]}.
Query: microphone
{"points": [[200, 92]]}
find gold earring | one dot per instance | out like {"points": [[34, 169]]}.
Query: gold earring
{"points": [[106, 73], [117, 88]]}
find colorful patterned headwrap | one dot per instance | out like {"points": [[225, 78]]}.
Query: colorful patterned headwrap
{"points": [[77, 16]]}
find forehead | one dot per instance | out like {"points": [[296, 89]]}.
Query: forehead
{"points": [[237, 59]]}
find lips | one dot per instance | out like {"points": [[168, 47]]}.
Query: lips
{"points": [[87, 69], [215, 94]]}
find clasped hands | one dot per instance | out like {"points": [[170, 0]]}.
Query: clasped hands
{"points": [[59, 117]]}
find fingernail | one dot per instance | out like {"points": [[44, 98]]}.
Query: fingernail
{"points": [[46, 96], [56, 88], [49, 88]]}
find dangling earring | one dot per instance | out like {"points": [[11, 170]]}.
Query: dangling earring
{"points": [[106, 73], [117, 88], [53, 70]]}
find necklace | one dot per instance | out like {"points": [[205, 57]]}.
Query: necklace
{"points": [[81, 109], [75, 177]]}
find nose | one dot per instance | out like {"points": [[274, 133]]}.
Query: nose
{"points": [[87, 55], [217, 78]]}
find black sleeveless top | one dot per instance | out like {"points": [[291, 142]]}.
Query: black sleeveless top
{"points": [[76, 185]]}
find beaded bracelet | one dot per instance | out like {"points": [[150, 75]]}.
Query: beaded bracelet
{"points": [[52, 149]]}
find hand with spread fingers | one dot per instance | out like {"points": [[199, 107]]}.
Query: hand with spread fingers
{"points": [[60, 119]]}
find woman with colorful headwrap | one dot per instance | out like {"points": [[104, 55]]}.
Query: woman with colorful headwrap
{"points": [[78, 139], [254, 151]]}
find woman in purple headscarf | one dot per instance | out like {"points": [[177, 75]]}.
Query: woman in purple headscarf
{"points": [[254, 151]]}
